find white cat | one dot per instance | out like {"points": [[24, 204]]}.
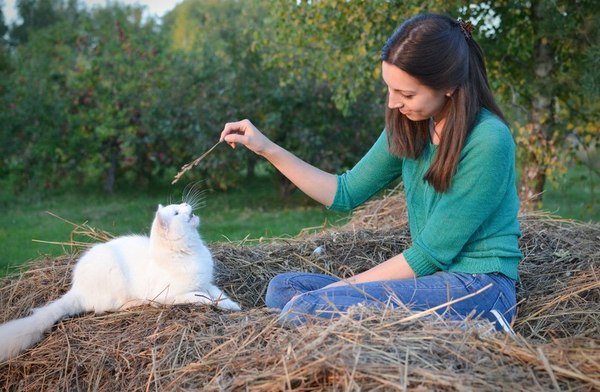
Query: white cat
{"points": [[172, 266]]}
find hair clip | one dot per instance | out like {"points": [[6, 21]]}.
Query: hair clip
{"points": [[466, 27]]}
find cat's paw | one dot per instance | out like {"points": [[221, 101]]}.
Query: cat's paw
{"points": [[228, 304]]}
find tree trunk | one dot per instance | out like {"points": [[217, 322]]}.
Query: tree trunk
{"points": [[533, 175], [286, 188], [111, 174], [250, 167]]}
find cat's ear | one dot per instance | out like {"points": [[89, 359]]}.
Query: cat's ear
{"points": [[160, 219]]}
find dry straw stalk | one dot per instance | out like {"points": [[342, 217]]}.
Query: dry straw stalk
{"points": [[189, 166]]}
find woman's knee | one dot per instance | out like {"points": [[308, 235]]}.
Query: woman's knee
{"points": [[283, 287], [279, 291], [301, 306]]}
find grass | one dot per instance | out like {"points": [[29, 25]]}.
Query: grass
{"points": [[575, 195], [251, 211]]}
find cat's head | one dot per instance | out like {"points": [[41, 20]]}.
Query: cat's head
{"points": [[175, 222]]}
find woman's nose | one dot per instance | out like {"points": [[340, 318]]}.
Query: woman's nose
{"points": [[395, 104]]}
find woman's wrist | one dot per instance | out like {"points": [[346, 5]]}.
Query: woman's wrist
{"points": [[269, 150], [274, 153]]}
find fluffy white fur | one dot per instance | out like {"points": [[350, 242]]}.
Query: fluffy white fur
{"points": [[172, 266]]}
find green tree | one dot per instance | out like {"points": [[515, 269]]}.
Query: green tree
{"points": [[542, 60], [4, 60], [79, 100], [207, 38], [338, 42], [34, 115], [3, 26], [236, 79], [35, 15], [118, 65], [543, 57]]}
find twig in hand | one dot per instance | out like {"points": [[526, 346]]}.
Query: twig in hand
{"points": [[192, 164]]}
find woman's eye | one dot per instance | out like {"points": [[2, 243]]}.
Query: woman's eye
{"points": [[405, 96]]}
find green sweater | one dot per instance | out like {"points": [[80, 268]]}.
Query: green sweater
{"points": [[473, 226]]}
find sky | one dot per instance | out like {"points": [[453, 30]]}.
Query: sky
{"points": [[153, 7]]}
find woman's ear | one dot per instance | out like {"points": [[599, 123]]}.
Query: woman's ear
{"points": [[450, 92]]}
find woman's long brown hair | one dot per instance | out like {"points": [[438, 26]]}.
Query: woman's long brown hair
{"points": [[435, 50]]}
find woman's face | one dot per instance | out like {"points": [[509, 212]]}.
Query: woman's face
{"points": [[411, 98]]}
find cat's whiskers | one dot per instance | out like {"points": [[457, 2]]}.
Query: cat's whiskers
{"points": [[193, 195]]}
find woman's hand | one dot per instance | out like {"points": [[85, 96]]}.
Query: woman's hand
{"points": [[244, 132], [336, 284], [316, 183]]}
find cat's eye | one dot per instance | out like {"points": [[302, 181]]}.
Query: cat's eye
{"points": [[176, 212]]}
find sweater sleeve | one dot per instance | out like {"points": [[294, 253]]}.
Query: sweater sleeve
{"points": [[483, 177], [370, 175]]}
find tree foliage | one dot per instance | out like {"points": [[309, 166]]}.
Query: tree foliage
{"points": [[3, 26], [105, 97], [222, 38], [110, 98], [542, 59], [338, 42], [4, 60], [76, 100]]}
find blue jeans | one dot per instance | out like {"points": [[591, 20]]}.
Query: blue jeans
{"points": [[300, 293]]}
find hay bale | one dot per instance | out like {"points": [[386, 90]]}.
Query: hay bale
{"points": [[188, 348], [386, 212], [559, 292]]}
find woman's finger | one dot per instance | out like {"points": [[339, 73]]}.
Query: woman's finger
{"points": [[233, 138]]}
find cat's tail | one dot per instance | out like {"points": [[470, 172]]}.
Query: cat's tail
{"points": [[20, 334]]}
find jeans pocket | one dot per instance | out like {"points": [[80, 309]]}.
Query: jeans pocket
{"points": [[508, 289], [469, 281]]}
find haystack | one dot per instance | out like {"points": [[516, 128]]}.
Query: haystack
{"points": [[556, 347]]}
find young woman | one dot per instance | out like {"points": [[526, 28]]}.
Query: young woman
{"points": [[447, 139]]}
